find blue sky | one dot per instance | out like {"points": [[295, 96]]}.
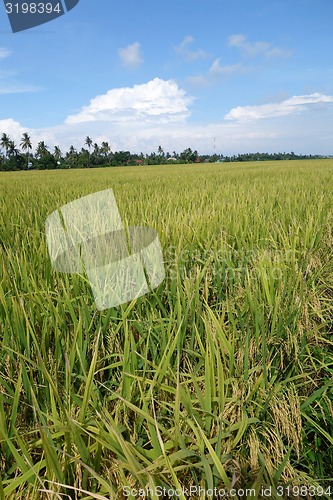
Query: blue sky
{"points": [[214, 75]]}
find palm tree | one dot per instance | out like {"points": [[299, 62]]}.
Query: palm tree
{"points": [[88, 142], [57, 153], [105, 149], [26, 145], [12, 149], [41, 149], [71, 151], [4, 143], [96, 149]]}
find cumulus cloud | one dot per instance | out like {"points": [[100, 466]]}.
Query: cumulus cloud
{"points": [[185, 51], [253, 49], [131, 56], [157, 100], [303, 124], [12, 128], [15, 129], [308, 133], [295, 104]]}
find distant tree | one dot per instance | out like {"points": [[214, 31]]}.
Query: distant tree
{"points": [[96, 149], [26, 145], [72, 156], [88, 142], [12, 149], [46, 161], [57, 153], [105, 149], [4, 143], [3, 162], [189, 156], [15, 160], [82, 159], [41, 150], [71, 151], [121, 158]]}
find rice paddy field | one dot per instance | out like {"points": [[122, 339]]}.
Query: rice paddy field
{"points": [[216, 384]]}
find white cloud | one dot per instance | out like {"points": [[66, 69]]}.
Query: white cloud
{"points": [[257, 48], [157, 100], [287, 126], [198, 80], [9, 83], [190, 55], [4, 53], [18, 89], [295, 104], [217, 69], [131, 56], [12, 128]]}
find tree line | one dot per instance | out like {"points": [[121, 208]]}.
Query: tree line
{"points": [[21, 157]]}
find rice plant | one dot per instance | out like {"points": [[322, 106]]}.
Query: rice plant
{"points": [[220, 378]]}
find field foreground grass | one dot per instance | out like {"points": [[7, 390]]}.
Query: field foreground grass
{"points": [[220, 378]]}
